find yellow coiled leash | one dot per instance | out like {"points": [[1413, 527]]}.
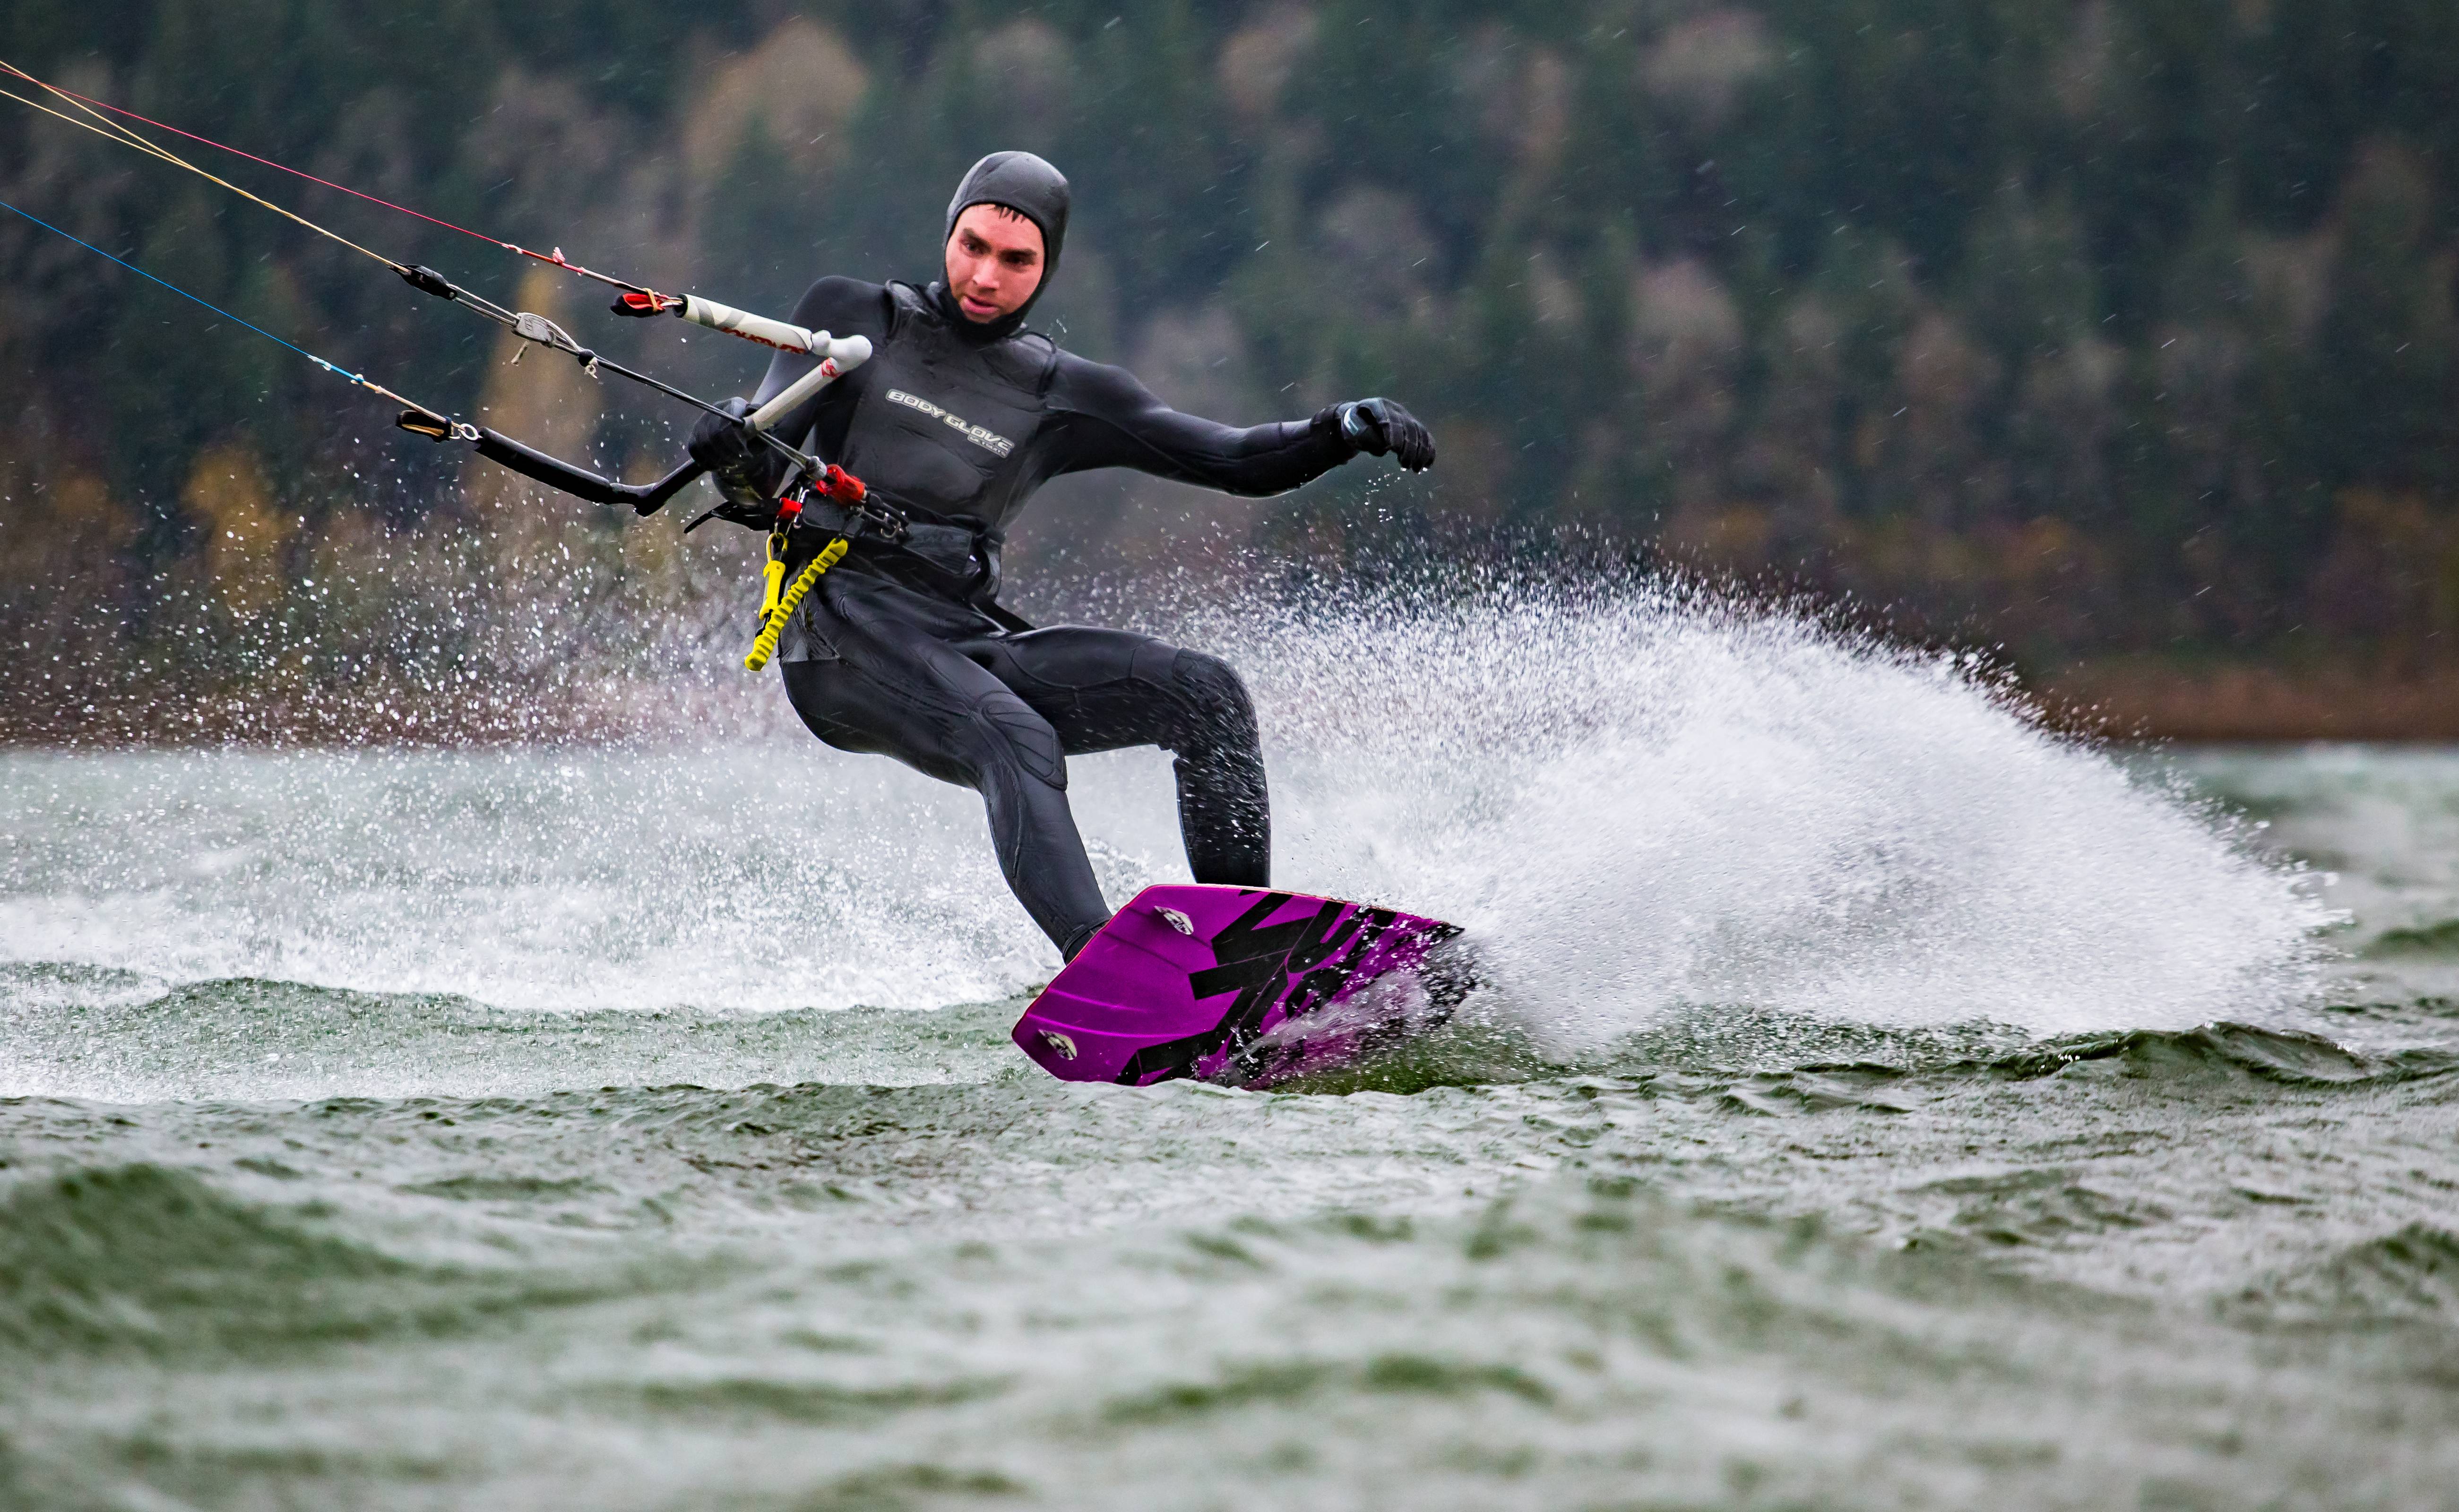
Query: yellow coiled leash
{"points": [[776, 609]]}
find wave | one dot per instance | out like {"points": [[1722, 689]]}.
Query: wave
{"points": [[106, 1036], [1645, 801], [148, 1258], [2232, 1050], [2440, 939], [1648, 804], [256, 1041], [2412, 1274]]}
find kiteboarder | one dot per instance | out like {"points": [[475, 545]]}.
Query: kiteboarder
{"points": [[960, 415]]}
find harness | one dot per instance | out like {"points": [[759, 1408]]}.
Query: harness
{"points": [[887, 539], [957, 556], [946, 556]]}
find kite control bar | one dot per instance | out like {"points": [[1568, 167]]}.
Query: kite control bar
{"points": [[725, 317], [838, 356]]}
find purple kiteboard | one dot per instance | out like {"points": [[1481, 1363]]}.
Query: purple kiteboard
{"points": [[1240, 985]]}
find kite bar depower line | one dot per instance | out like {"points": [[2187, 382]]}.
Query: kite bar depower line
{"points": [[91, 105], [837, 355], [641, 301], [335, 369]]}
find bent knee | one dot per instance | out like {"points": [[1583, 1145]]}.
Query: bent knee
{"points": [[1215, 696], [1210, 682]]}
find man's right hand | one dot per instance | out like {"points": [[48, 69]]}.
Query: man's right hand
{"points": [[729, 448]]}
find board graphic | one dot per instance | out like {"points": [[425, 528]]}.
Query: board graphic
{"points": [[1241, 985]]}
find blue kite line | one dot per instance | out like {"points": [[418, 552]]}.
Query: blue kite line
{"points": [[185, 295]]}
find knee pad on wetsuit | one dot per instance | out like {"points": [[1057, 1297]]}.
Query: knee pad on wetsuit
{"points": [[1027, 734], [1215, 697]]}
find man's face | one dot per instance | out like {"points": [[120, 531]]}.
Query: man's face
{"points": [[994, 261]]}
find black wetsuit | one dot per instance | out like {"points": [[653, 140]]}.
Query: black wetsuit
{"points": [[904, 652]]}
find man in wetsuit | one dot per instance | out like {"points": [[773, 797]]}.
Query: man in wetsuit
{"points": [[958, 417]]}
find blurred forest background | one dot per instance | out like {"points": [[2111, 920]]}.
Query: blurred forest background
{"points": [[2119, 333]]}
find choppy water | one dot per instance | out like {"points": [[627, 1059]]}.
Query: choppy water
{"points": [[1877, 1103]]}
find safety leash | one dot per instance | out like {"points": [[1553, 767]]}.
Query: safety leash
{"points": [[776, 608], [335, 369], [765, 646]]}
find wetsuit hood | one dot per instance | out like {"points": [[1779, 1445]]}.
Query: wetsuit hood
{"points": [[1033, 189]]}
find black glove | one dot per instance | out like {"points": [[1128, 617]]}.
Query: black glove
{"points": [[733, 453], [1377, 426]]}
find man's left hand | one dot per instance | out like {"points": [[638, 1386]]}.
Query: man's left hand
{"points": [[1380, 426]]}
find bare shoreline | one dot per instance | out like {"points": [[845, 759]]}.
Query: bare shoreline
{"points": [[2251, 704]]}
